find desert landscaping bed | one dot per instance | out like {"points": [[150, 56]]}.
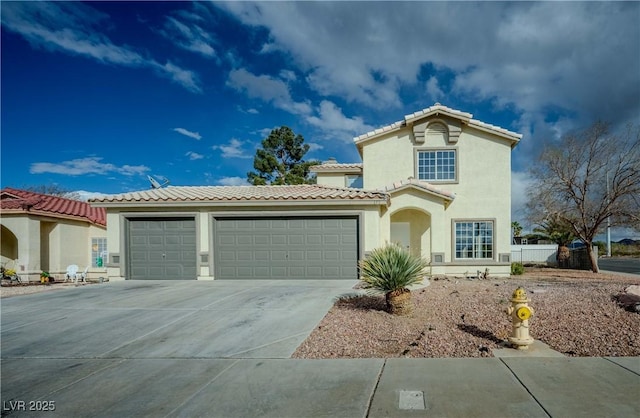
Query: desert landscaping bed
{"points": [[9, 290], [576, 313]]}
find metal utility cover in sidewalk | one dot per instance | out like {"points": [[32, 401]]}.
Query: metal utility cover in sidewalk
{"points": [[286, 248]]}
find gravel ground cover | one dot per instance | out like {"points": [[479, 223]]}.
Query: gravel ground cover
{"points": [[575, 313], [7, 291]]}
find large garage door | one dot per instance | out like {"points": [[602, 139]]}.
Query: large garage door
{"points": [[286, 248], [162, 249]]}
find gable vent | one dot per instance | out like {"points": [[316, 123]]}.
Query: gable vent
{"points": [[437, 133]]}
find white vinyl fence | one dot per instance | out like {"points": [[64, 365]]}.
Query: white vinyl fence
{"points": [[534, 254]]}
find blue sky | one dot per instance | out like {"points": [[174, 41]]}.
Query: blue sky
{"points": [[98, 95]]}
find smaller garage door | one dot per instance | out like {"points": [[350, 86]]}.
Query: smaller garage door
{"points": [[286, 248], [162, 249]]}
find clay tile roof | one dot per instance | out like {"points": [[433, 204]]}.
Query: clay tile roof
{"points": [[439, 109], [411, 182], [249, 194], [23, 201], [337, 167]]}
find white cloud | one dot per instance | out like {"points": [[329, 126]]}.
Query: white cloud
{"points": [[85, 195], [73, 28], [194, 155], [185, 132], [83, 166], [580, 58], [188, 34], [314, 146], [288, 75], [433, 89], [268, 89], [233, 149], [520, 182], [334, 123], [232, 181]]}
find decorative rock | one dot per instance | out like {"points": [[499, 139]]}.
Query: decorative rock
{"points": [[634, 289]]}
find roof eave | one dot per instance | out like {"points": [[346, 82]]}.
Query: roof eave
{"points": [[49, 214], [422, 189], [238, 203]]}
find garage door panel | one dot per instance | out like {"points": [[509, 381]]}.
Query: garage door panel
{"points": [[313, 224], [161, 249], [282, 248], [296, 255], [314, 239], [313, 255]]}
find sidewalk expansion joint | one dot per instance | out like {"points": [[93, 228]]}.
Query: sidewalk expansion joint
{"points": [[526, 388], [375, 388], [620, 365]]}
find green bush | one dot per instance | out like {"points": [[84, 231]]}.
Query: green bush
{"points": [[391, 268], [517, 269]]}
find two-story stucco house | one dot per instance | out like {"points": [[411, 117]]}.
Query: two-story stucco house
{"points": [[438, 182]]}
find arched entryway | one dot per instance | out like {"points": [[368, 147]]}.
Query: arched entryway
{"points": [[411, 228], [9, 245]]}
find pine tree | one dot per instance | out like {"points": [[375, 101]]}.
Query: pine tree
{"points": [[280, 161]]}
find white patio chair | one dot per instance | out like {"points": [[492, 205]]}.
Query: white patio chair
{"points": [[83, 275], [72, 273]]}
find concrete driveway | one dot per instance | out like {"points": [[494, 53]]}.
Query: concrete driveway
{"points": [[162, 319]]}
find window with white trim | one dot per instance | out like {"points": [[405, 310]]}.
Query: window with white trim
{"points": [[98, 252], [437, 165], [474, 240]]}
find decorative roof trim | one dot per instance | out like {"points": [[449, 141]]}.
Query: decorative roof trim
{"points": [[348, 168], [438, 109], [420, 185]]}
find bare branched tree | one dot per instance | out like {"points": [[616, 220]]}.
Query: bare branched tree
{"points": [[586, 178], [53, 190]]}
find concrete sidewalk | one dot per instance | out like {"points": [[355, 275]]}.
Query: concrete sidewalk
{"points": [[488, 387]]}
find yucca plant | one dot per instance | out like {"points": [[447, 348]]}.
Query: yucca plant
{"points": [[390, 270]]}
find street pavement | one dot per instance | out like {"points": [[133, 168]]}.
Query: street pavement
{"points": [[620, 265], [222, 349]]}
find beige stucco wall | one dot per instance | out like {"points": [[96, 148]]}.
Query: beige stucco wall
{"points": [[331, 179], [51, 244]]}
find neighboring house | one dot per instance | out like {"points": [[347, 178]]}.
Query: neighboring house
{"points": [[438, 182], [47, 233]]}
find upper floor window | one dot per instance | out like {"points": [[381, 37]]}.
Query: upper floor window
{"points": [[437, 165], [353, 181]]}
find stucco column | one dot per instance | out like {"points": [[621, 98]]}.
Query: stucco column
{"points": [[385, 228], [440, 234], [204, 245], [29, 248]]}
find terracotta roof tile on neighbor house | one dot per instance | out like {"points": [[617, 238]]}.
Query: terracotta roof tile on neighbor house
{"points": [[438, 109], [249, 194], [23, 201]]}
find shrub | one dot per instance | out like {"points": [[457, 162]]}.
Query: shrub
{"points": [[517, 269], [391, 268]]}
